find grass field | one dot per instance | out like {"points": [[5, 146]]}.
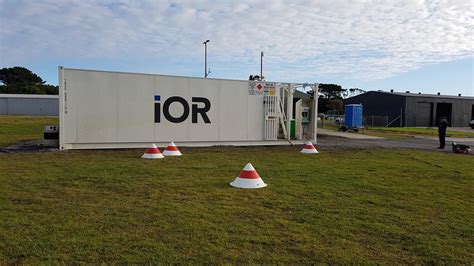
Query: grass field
{"points": [[18, 128], [341, 206], [351, 206]]}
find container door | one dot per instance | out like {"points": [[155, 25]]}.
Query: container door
{"points": [[271, 117]]}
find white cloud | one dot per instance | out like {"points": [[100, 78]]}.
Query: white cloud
{"points": [[359, 39]]}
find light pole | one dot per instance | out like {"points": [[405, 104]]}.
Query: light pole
{"points": [[261, 65], [205, 59]]}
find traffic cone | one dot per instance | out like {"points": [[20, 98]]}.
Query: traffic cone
{"points": [[309, 148], [172, 150], [152, 153], [248, 178]]}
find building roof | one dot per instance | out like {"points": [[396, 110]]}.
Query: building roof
{"points": [[408, 94], [301, 95]]}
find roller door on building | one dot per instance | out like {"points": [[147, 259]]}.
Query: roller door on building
{"points": [[423, 114]]}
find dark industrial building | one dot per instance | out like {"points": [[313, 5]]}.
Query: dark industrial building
{"points": [[416, 109]]}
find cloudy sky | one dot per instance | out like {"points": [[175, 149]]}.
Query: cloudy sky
{"points": [[414, 45]]}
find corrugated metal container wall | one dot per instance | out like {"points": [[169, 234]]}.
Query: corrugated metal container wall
{"points": [[110, 109]]}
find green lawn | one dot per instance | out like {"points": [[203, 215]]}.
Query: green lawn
{"points": [[18, 128], [340, 206]]}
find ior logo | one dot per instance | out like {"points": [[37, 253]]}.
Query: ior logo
{"points": [[195, 109]]}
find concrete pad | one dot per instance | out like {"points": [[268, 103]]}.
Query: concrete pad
{"points": [[425, 143], [457, 129], [347, 135], [461, 129], [458, 140]]}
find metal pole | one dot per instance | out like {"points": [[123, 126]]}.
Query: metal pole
{"points": [[261, 64], [205, 58], [315, 113]]}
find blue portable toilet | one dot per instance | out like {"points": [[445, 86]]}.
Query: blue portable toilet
{"points": [[353, 116]]}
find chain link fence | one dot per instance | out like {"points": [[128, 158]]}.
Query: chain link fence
{"points": [[333, 120], [369, 121], [375, 121]]}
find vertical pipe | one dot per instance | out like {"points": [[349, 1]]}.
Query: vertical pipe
{"points": [[315, 113], [265, 117], [61, 107], [289, 110]]}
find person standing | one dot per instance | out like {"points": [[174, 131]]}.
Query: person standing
{"points": [[442, 126]]}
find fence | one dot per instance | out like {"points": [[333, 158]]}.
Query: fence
{"points": [[369, 121], [333, 120], [375, 121]]}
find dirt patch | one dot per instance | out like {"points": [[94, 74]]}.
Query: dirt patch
{"points": [[28, 146], [324, 141]]}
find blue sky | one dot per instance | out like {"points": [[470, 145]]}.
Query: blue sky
{"points": [[416, 45]]}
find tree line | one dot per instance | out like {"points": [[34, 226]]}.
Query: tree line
{"points": [[20, 80], [331, 97]]}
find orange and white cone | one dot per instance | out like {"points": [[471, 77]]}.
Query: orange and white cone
{"points": [[248, 178], [309, 148], [171, 150], [152, 153]]}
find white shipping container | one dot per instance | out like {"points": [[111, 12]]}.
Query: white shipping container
{"points": [[100, 109]]}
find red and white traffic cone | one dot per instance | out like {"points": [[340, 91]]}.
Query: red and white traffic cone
{"points": [[309, 148], [172, 150], [248, 178], [152, 153]]}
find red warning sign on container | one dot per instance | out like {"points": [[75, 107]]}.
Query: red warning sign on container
{"points": [[256, 88]]}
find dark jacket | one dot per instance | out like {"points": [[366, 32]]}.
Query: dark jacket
{"points": [[443, 125]]}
